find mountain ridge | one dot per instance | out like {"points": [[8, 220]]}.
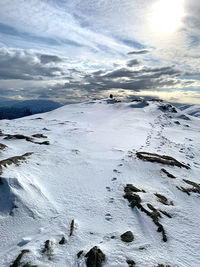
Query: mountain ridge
{"points": [[82, 175]]}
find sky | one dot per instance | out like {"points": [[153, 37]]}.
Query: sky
{"points": [[72, 51]]}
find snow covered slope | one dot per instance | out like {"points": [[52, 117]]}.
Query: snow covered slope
{"points": [[81, 176], [192, 110]]}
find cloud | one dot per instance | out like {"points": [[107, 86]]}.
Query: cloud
{"points": [[139, 52], [132, 63], [45, 59], [26, 65]]}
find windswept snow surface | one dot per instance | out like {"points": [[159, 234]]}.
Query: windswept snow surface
{"points": [[81, 175]]}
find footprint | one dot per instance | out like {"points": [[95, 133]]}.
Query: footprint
{"points": [[114, 179], [116, 171], [108, 217], [108, 188], [111, 200]]}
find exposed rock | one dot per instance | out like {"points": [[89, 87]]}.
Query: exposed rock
{"points": [[13, 160], [151, 207], [130, 263], [2, 146], [18, 136], [165, 213], [184, 190], [132, 188], [168, 107], [16, 263], [29, 265], [195, 185], [168, 174], [71, 228], [47, 249], [163, 199], [42, 143], [27, 138], [62, 241], [127, 237], [133, 199], [95, 257], [79, 254], [160, 159], [39, 136]]}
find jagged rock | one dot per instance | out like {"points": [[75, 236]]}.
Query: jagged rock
{"points": [[39, 136], [130, 263], [127, 237], [165, 213], [42, 143], [133, 199], [168, 107], [195, 185], [62, 241], [132, 188], [16, 263], [168, 174], [152, 157], [71, 228], [13, 160], [163, 199], [95, 257], [2, 146], [79, 254], [18, 136]]}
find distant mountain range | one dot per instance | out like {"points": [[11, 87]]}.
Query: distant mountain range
{"points": [[12, 109]]}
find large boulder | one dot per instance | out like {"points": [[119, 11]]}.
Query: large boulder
{"points": [[127, 237], [95, 257]]}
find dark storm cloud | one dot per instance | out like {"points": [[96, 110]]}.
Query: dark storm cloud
{"points": [[132, 63], [139, 52], [50, 58], [20, 64], [99, 82]]}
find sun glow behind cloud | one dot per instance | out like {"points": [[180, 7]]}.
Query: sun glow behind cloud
{"points": [[166, 16]]}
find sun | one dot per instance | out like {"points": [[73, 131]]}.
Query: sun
{"points": [[166, 16]]}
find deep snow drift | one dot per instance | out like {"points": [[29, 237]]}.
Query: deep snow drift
{"points": [[82, 176]]}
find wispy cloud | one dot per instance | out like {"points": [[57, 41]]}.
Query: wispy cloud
{"points": [[60, 49]]}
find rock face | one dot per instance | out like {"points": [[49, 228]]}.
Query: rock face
{"points": [[152, 157], [95, 257], [127, 237]]}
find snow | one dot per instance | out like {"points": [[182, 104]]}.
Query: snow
{"points": [[72, 178]]}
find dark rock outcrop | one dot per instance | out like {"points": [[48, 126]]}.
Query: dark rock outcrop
{"points": [[16, 263], [152, 157], [95, 257], [127, 237], [39, 136], [168, 174]]}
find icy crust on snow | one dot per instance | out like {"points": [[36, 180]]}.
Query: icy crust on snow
{"points": [[81, 176]]}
